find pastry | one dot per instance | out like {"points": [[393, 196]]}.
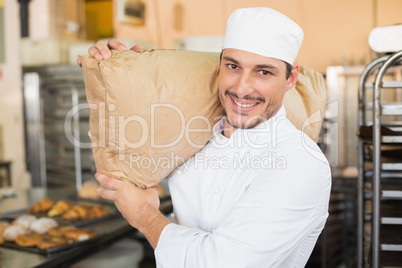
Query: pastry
{"points": [[89, 190], [3, 226], [59, 208], [28, 240], [98, 212], [81, 210], [24, 220], [48, 241], [1, 240], [71, 214], [43, 225], [76, 212], [80, 234], [41, 206], [11, 232], [61, 230]]}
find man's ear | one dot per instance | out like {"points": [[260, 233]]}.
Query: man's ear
{"points": [[294, 74]]}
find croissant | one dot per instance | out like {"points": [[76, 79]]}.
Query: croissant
{"points": [[41, 206], [76, 212], [59, 208]]}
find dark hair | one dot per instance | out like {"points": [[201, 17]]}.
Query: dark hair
{"points": [[289, 66]]}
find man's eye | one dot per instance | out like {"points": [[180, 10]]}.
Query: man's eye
{"points": [[232, 66], [264, 72]]}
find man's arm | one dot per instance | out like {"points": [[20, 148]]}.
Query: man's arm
{"points": [[274, 223], [140, 207]]}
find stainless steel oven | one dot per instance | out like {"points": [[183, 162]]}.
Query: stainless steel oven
{"points": [[58, 151]]}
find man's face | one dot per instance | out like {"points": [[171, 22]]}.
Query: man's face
{"points": [[251, 87]]}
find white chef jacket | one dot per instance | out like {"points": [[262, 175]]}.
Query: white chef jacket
{"points": [[256, 199]]}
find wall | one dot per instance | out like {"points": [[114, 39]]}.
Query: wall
{"points": [[336, 32], [39, 25], [56, 18], [11, 113]]}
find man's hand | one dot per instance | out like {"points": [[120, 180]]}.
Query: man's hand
{"points": [[101, 50], [130, 200], [140, 207]]}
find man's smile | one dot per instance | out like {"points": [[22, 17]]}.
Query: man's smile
{"points": [[245, 104]]}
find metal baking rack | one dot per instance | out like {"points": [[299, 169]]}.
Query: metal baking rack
{"points": [[56, 126], [379, 199]]}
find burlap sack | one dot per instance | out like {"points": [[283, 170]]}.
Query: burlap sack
{"points": [[305, 103], [152, 111]]}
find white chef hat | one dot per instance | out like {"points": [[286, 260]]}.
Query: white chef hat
{"points": [[265, 32]]}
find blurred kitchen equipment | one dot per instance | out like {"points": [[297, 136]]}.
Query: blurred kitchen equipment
{"points": [[56, 115], [386, 39], [1, 143], [24, 17]]}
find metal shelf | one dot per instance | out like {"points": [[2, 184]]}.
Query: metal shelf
{"points": [[391, 194], [391, 139], [385, 220], [391, 220], [391, 166], [368, 174], [390, 247], [387, 108], [390, 133], [50, 93], [385, 85], [380, 168]]}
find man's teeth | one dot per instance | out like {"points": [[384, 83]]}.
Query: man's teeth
{"points": [[243, 105]]}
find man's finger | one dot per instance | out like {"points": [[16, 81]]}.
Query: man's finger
{"points": [[108, 182], [106, 193], [115, 44], [94, 52], [79, 62], [137, 48], [103, 49]]}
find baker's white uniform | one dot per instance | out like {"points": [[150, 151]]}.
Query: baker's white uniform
{"points": [[258, 199]]}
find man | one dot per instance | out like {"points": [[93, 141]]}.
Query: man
{"points": [[266, 202]]}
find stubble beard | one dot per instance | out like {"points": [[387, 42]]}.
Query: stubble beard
{"points": [[255, 120]]}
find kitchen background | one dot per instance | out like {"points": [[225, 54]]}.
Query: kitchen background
{"points": [[336, 34], [38, 69]]}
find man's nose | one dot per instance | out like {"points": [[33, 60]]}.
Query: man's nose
{"points": [[245, 84]]}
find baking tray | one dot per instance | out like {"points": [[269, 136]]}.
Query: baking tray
{"points": [[108, 202], [13, 245], [99, 201], [113, 212]]}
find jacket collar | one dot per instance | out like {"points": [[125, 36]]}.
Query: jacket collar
{"points": [[263, 135]]}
